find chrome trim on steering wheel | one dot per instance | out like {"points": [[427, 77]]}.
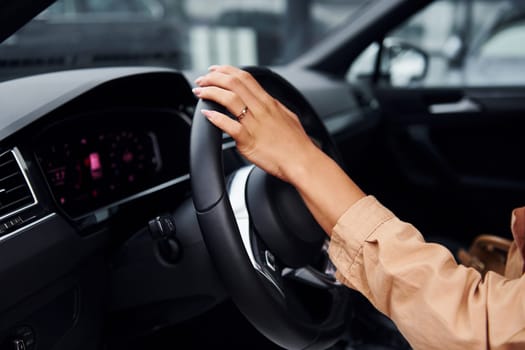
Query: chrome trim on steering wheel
{"points": [[236, 192]]}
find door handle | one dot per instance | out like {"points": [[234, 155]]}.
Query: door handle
{"points": [[465, 105]]}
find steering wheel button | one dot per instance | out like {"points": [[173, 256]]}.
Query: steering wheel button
{"points": [[270, 260]]}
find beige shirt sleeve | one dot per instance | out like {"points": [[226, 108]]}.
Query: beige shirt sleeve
{"points": [[514, 265], [435, 303]]}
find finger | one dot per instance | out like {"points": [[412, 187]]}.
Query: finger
{"points": [[244, 76], [248, 80], [228, 99], [226, 124], [233, 84]]}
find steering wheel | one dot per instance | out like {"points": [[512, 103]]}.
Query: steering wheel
{"points": [[266, 246]]}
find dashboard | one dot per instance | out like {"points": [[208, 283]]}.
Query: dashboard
{"points": [[99, 154], [89, 157], [96, 141]]}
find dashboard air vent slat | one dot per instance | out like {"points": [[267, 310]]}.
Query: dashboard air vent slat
{"points": [[15, 193]]}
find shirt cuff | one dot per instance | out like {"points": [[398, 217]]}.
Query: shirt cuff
{"points": [[354, 228]]}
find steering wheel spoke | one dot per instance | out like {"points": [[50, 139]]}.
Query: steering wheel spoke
{"points": [[261, 258]]}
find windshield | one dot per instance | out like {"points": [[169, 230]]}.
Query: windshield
{"points": [[182, 34]]}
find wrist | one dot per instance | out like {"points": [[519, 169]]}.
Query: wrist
{"points": [[304, 162]]}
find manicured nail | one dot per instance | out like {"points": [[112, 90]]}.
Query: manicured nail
{"points": [[197, 91], [209, 114]]}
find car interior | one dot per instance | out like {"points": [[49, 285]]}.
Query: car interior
{"points": [[127, 221]]}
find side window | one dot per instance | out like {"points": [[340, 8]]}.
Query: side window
{"points": [[452, 43], [506, 41]]}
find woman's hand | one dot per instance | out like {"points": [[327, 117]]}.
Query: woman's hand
{"points": [[271, 136], [266, 132]]}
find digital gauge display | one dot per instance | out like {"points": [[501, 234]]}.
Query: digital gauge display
{"points": [[107, 157], [99, 168]]}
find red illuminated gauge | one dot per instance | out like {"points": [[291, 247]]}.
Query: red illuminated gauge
{"points": [[102, 168]]}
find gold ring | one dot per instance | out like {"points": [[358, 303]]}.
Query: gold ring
{"points": [[243, 113]]}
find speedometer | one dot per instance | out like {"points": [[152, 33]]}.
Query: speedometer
{"points": [[89, 165], [100, 167]]}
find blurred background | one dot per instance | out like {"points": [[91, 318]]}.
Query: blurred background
{"points": [[467, 42]]}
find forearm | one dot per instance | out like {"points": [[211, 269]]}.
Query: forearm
{"points": [[324, 186]]}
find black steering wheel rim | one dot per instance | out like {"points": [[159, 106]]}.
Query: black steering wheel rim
{"points": [[248, 289]]}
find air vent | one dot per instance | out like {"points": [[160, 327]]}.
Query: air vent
{"points": [[15, 192]]}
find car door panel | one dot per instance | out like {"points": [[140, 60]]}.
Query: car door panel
{"points": [[461, 142], [465, 155]]}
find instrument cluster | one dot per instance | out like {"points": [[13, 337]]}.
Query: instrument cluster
{"points": [[96, 160]]}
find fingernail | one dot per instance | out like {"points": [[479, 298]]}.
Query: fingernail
{"points": [[197, 91], [213, 67], [208, 114], [198, 80]]}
